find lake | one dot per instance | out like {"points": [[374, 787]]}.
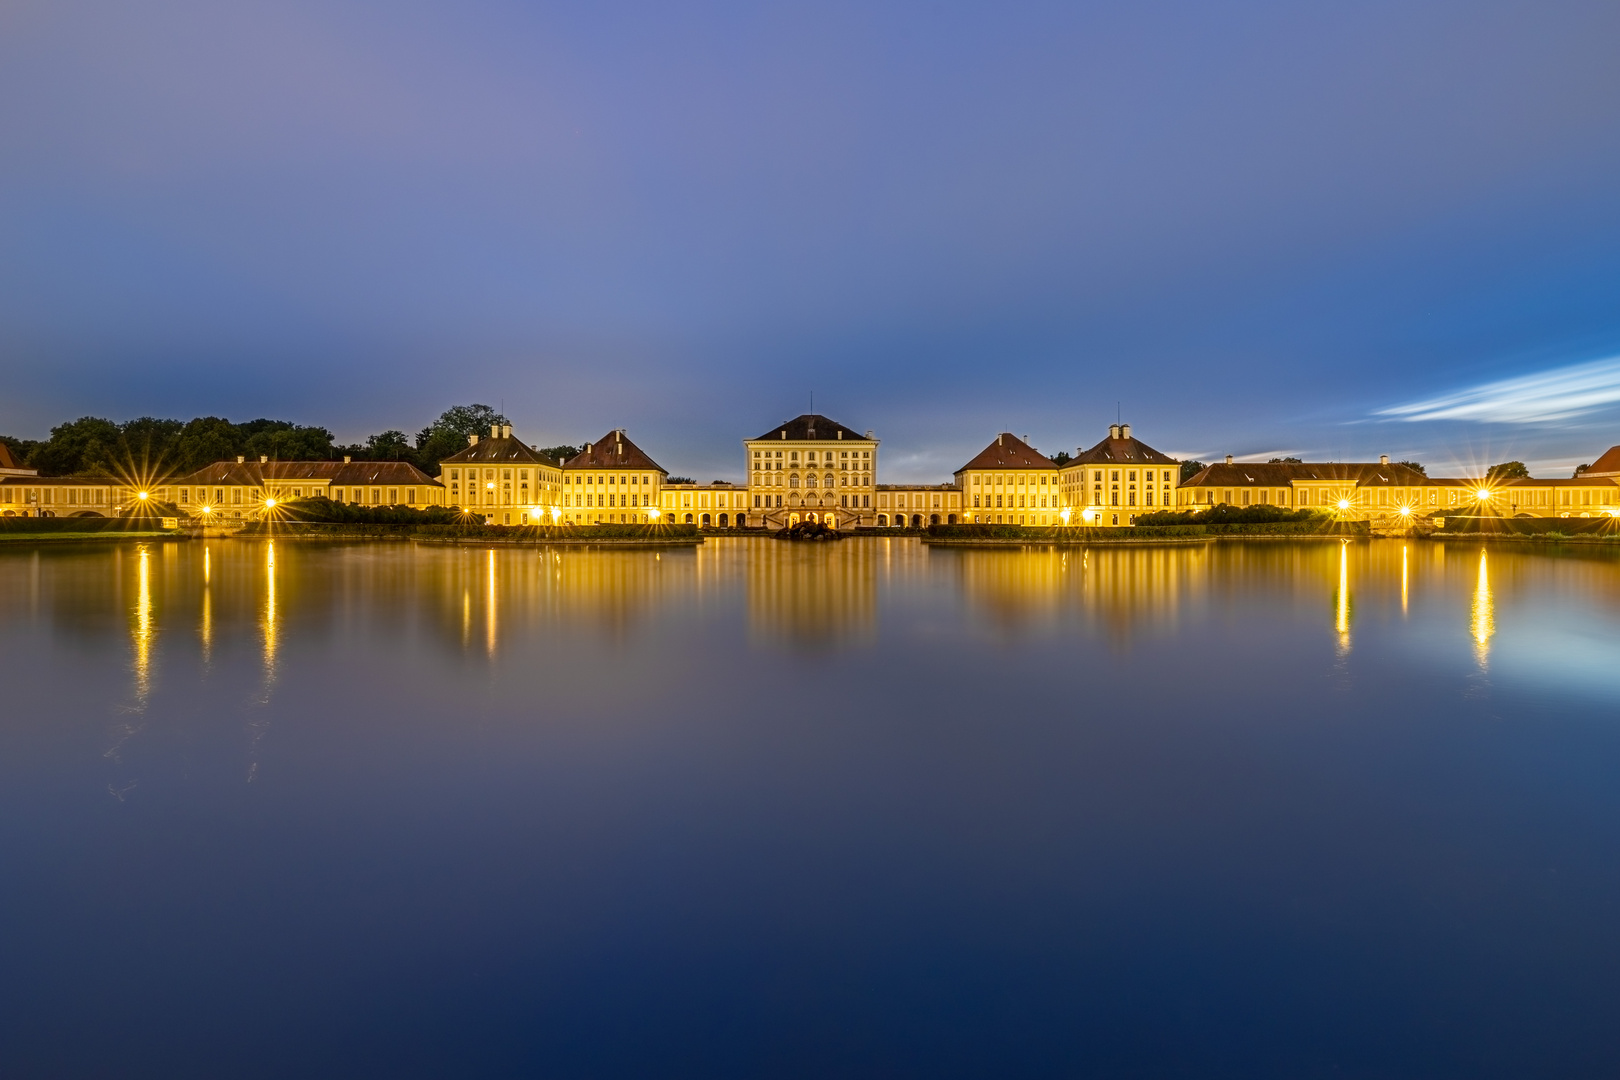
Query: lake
{"points": [[771, 810]]}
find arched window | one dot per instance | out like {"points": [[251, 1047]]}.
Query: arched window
{"points": [[828, 479], [793, 480], [810, 480]]}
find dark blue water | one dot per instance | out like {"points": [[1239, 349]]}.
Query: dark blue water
{"points": [[763, 810]]}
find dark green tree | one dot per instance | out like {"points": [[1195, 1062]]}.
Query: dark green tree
{"points": [[559, 454], [448, 434], [1415, 466], [88, 444], [1285, 461], [1508, 470], [1061, 458], [389, 445], [1190, 469]]}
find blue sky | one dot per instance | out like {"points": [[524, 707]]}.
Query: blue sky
{"points": [[1328, 230]]}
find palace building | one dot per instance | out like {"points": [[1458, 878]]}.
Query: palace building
{"points": [[1009, 482], [1389, 490], [612, 480], [245, 489], [502, 478], [1118, 479], [812, 469]]}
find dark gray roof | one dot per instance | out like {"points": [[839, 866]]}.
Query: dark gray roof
{"points": [[613, 451], [812, 426]]}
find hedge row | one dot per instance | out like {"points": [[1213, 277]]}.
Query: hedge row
{"points": [[1515, 526], [78, 524], [1313, 526]]}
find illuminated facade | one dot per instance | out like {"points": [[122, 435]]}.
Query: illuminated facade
{"points": [[1117, 480], [502, 478], [1389, 491], [811, 469], [612, 480], [712, 506], [917, 505], [26, 495], [244, 490], [1010, 482]]}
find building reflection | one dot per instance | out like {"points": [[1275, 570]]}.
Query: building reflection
{"points": [[817, 594]]}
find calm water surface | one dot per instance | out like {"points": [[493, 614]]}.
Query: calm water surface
{"points": [[771, 810]]}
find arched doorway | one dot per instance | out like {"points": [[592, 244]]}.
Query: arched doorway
{"points": [[793, 519], [950, 519], [688, 519], [722, 521], [704, 521], [742, 521], [883, 519], [830, 521], [933, 519], [916, 521]]}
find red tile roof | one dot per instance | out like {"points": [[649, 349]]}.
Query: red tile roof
{"points": [[613, 451], [1607, 465], [1120, 448], [1371, 474], [497, 450], [1008, 451], [257, 474]]}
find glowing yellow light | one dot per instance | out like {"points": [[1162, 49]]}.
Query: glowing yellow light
{"points": [[1344, 504], [269, 503], [1406, 511], [656, 513], [490, 485], [1065, 516], [208, 509], [1482, 494], [555, 513], [140, 494]]}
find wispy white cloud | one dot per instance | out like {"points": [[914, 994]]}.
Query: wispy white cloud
{"points": [[1559, 394]]}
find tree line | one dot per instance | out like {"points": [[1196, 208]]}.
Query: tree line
{"points": [[148, 445]]}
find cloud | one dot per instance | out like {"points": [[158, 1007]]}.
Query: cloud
{"points": [[1559, 394]]}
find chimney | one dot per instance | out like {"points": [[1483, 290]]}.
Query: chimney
{"points": [[1113, 431], [1229, 459], [263, 459], [1026, 438], [240, 459], [472, 440], [784, 433], [998, 440], [618, 449], [494, 431], [868, 433], [345, 459], [1383, 459], [587, 448], [840, 433], [506, 431], [1124, 431]]}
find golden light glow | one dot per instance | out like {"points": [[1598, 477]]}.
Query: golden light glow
{"points": [[1482, 494], [144, 630], [1406, 511], [1065, 515], [556, 513], [655, 513], [1403, 579], [1341, 607], [142, 495], [270, 503], [208, 510], [1483, 621], [489, 615], [1344, 504]]}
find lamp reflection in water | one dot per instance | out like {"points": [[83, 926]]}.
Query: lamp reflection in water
{"points": [[143, 629], [206, 628], [1341, 602], [489, 615], [1483, 615], [143, 640], [1403, 579], [270, 631]]}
